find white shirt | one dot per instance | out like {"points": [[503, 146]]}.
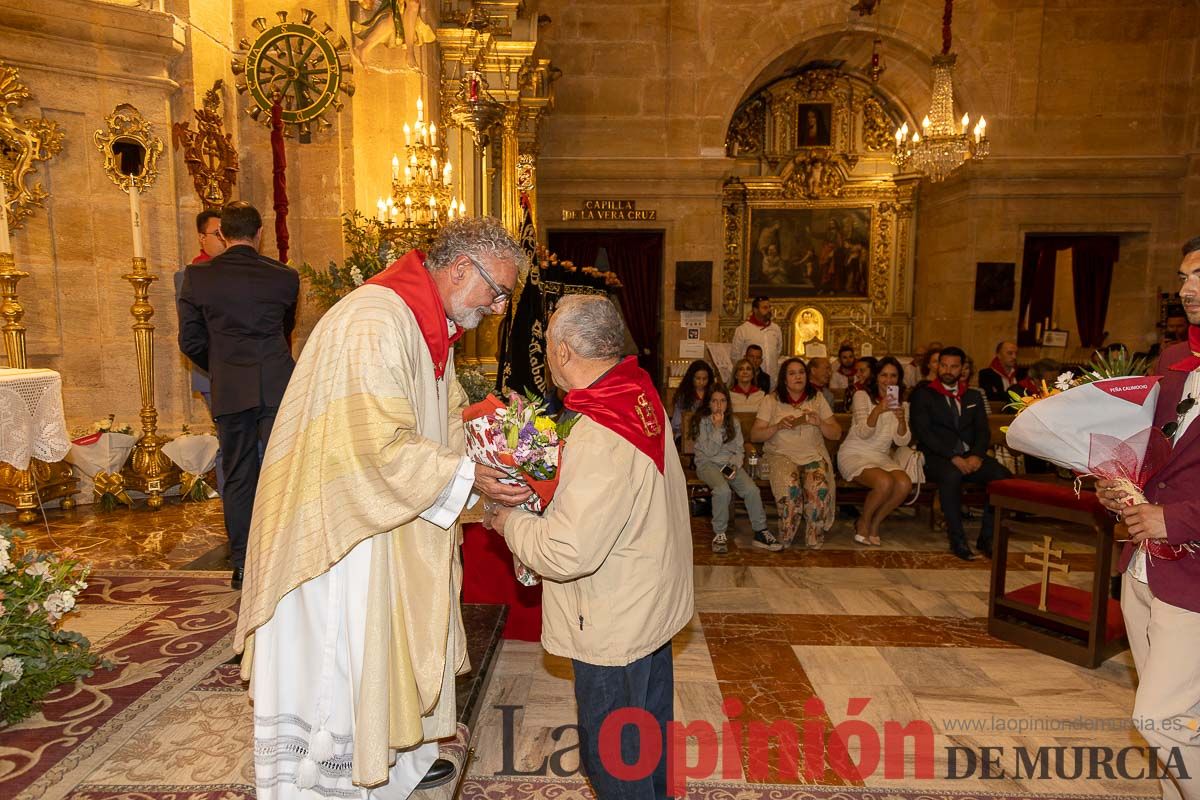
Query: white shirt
{"points": [[770, 339], [1137, 567]]}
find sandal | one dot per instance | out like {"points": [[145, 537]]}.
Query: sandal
{"points": [[864, 541], [874, 540]]}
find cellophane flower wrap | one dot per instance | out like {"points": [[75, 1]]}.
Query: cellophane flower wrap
{"points": [[1102, 428], [523, 441]]}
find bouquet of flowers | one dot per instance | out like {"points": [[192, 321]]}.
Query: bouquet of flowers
{"points": [[523, 441], [1097, 425], [37, 591]]}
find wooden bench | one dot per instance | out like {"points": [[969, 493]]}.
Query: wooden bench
{"points": [[848, 493]]}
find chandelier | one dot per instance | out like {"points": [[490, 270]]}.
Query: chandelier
{"points": [[422, 198], [944, 142], [475, 109]]}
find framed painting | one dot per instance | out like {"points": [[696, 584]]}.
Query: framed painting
{"points": [[814, 125], [809, 252], [995, 285]]}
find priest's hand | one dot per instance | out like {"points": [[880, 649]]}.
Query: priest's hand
{"points": [[1145, 521], [487, 481], [1114, 499], [495, 516]]}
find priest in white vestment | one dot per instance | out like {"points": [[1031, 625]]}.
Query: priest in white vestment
{"points": [[614, 547], [350, 619]]}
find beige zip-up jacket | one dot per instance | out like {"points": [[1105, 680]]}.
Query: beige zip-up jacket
{"points": [[614, 549]]}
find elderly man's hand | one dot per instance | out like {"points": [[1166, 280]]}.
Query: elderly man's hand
{"points": [[487, 481], [495, 516], [1145, 521], [1114, 499]]}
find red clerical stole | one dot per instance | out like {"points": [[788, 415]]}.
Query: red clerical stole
{"points": [[408, 278], [625, 402], [1192, 362]]}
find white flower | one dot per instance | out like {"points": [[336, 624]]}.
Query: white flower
{"points": [[59, 603], [41, 568], [1063, 382], [103, 424], [5, 561], [13, 666], [356, 276]]}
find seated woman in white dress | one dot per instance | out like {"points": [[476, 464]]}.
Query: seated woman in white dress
{"points": [[747, 397], [878, 427]]}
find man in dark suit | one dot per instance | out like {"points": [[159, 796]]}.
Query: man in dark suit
{"points": [[236, 314], [754, 354], [1001, 375], [1160, 589], [951, 426]]}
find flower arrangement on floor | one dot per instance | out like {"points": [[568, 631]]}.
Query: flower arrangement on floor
{"points": [[521, 439], [37, 590], [114, 441]]}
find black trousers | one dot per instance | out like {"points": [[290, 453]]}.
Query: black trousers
{"points": [[950, 485], [243, 437]]}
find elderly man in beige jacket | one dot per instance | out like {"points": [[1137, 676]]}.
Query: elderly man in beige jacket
{"points": [[614, 546]]}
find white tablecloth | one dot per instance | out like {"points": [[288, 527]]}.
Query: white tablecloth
{"points": [[31, 417]]}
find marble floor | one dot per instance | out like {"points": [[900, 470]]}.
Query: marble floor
{"points": [[822, 639]]}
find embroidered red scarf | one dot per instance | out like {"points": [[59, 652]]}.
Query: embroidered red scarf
{"points": [[408, 278], [999, 369], [1192, 362], [625, 402], [957, 392]]}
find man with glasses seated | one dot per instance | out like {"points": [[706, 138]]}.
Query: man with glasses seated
{"points": [[1160, 588], [350, 620]]}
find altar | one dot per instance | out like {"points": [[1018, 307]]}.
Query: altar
{"points": [[33, 441]]}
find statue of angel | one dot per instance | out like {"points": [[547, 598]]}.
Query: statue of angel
{"points": [[391, 23]]}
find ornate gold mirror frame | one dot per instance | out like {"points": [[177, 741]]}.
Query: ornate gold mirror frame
{"points": [[130, 149]]}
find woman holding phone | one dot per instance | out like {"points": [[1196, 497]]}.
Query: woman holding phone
{"points": [[717, 444], [795, 421], [879, 426]]}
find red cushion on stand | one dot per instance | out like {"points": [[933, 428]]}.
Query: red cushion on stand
{"points": [[1051, 494], [1071, 602], [489, 577]]}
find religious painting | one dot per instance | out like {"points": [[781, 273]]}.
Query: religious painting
{"points": [[995, 285], [809, 252], [693, 285], [814, 125]]}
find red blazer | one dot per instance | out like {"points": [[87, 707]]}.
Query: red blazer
{"points": [[1177, 489]]}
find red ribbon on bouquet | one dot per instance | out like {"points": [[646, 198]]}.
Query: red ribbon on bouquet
{"points": [[1136, 459], [544, 489]]}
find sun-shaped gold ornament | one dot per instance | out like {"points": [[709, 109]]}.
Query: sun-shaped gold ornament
{"points": [[298, 64]]}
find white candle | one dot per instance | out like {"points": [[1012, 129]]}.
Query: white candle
{"points": [[395, 167], [446, 174], [135, 212], [5, 244], [433, 133], [407, 134], [407, 175], [420, 109], [382, 206]]}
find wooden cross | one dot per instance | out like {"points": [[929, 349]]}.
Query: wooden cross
{"points": [[1046, 564]]}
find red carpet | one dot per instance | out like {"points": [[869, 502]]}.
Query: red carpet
{"points": [[488, 577]]}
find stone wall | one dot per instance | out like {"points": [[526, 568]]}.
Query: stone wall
{"points": [[1091, 107]]}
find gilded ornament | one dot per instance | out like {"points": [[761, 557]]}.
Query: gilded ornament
{"points": [[747, 130], [877, 127], [817, 175], [208, 151], [22, 145], [130, 149], [297, 64]]}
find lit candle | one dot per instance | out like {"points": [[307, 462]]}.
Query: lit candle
{"points": [[395, 167], [407, 135], [407, 175], [420, 109], [5, 244], [916, 138], [408, 208], [966, 120], [433, 165], [382, 206], [433, 133], [135, 212], [446, 174], [412, 160], [899, 136], [925, 123]]}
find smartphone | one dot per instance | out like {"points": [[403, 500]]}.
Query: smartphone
{"points": [[728, 471], [893, 396]]}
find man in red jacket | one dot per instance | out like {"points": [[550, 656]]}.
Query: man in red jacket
{"points": [[1160, 590]]}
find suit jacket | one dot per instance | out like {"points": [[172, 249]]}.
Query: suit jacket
{"points": [[235, 315], [992, 385], [200, 381], [1176, 487], [935, 429]]}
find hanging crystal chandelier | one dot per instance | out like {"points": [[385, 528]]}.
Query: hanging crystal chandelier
{"points": [[944, 143], [422, 198]]}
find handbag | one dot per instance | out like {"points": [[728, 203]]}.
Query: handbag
{"points": [[913, 462]]}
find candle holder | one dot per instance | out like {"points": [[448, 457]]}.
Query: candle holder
{"points": [[148, 469], [42, 481]]}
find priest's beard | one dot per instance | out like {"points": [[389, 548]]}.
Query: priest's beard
{"points": [[465, 317]]}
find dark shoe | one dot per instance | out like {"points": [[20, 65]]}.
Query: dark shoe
{"points": [[984, 546], [236, 581], [960, 550], [441, 772], [767, 541]]}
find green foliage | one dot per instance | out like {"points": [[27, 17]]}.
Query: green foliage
{"points": [[37, 591], [371, 246], [1118, 364], [475, 383]]}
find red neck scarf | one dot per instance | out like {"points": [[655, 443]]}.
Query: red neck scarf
{"points": [[200, 259], [408, 278], [625, 401], [754, 320], [749, 390], [796, 402], [1011, 377], [957, 392], [848, 372], [1192, 362]]}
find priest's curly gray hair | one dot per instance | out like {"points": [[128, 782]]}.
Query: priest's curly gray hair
{"points": [[476, 237], [590, 325]]}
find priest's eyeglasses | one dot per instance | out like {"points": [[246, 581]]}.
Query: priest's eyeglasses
{"points": [[502, 294], [1185, 405]]}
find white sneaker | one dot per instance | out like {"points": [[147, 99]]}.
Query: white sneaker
{"points": [[720, 544]]}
